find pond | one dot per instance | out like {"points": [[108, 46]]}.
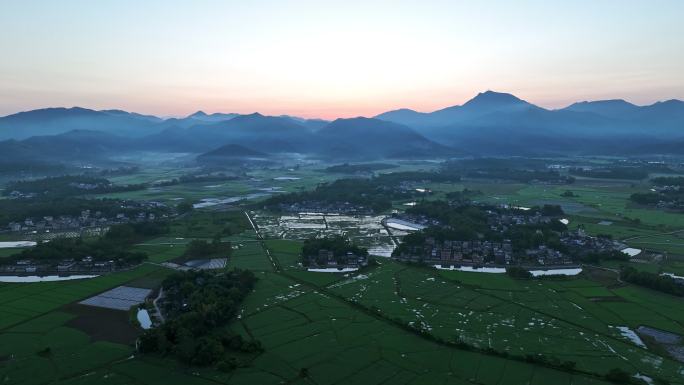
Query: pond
{"points": [[144, 319], [381, 250], [399, 224], [208, 202], [333, 270], [286, 178], [629, 334], [500, 270], [632, 252], [45, 278], [573, 271], [10, 245], [495, 270], [675, 276]]}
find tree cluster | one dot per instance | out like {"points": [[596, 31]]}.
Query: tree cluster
{"points": [[375, 193], [463, 197], [359, 192], [518, 272], [616, 172], [197, 306], [673, 198], [668, 181], [202, 249], [202, 178], [114, 246], [67, 185], [597, 257], [347, 168], [13, 210], [663, 283]]}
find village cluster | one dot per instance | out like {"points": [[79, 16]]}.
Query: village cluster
{"points": [[64, 267], [88, 222], [343, 208], [326, 259], [483, 252], [577, 243]]}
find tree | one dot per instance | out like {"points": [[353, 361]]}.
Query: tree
{"points": [[518, 272], [618, 376], [208, 351], [184, 207]]}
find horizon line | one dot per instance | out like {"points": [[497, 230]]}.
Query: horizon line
{"points": [[347, 116]]}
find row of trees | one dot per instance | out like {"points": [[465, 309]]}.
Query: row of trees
{"points": [[674, 199], [668, 181], [76, 248], [518, 272], [201, 178], [376, 193], [197, 305], [114, 245], [358, 192], [597, 257], [524, 176], [347, 168], [658, 282], [648, 199], [13, 210], [202, 249], [616, 172], [68, 185]]}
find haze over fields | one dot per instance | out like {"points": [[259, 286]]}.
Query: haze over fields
{"points": [[491, 123]]}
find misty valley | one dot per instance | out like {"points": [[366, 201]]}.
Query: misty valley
{"points": [[490, 243]]}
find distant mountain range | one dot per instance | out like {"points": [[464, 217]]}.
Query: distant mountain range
{"points": [[500, 112], [477, 108], [52, 121], [500, 123], [490, 123]]}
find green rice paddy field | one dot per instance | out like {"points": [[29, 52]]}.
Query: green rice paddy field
{"points": [[362, 328], [343, 329]]}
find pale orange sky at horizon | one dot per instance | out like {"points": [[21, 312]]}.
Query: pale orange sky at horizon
{"points": [[274, 108], [334, 58]]}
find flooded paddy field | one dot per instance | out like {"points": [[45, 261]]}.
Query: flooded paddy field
{"points": [[364, 230]]}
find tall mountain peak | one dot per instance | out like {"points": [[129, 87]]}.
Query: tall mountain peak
{"points": [[198, 114], [492, 97]]}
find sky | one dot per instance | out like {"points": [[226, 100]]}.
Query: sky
{"points": [[328, 59]]}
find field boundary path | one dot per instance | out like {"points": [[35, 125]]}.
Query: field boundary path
{"points": [[652, 235], [274, 262], [156, 306]]}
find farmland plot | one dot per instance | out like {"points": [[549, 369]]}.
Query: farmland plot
{"points": [[528, 317], [364, 230]]}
